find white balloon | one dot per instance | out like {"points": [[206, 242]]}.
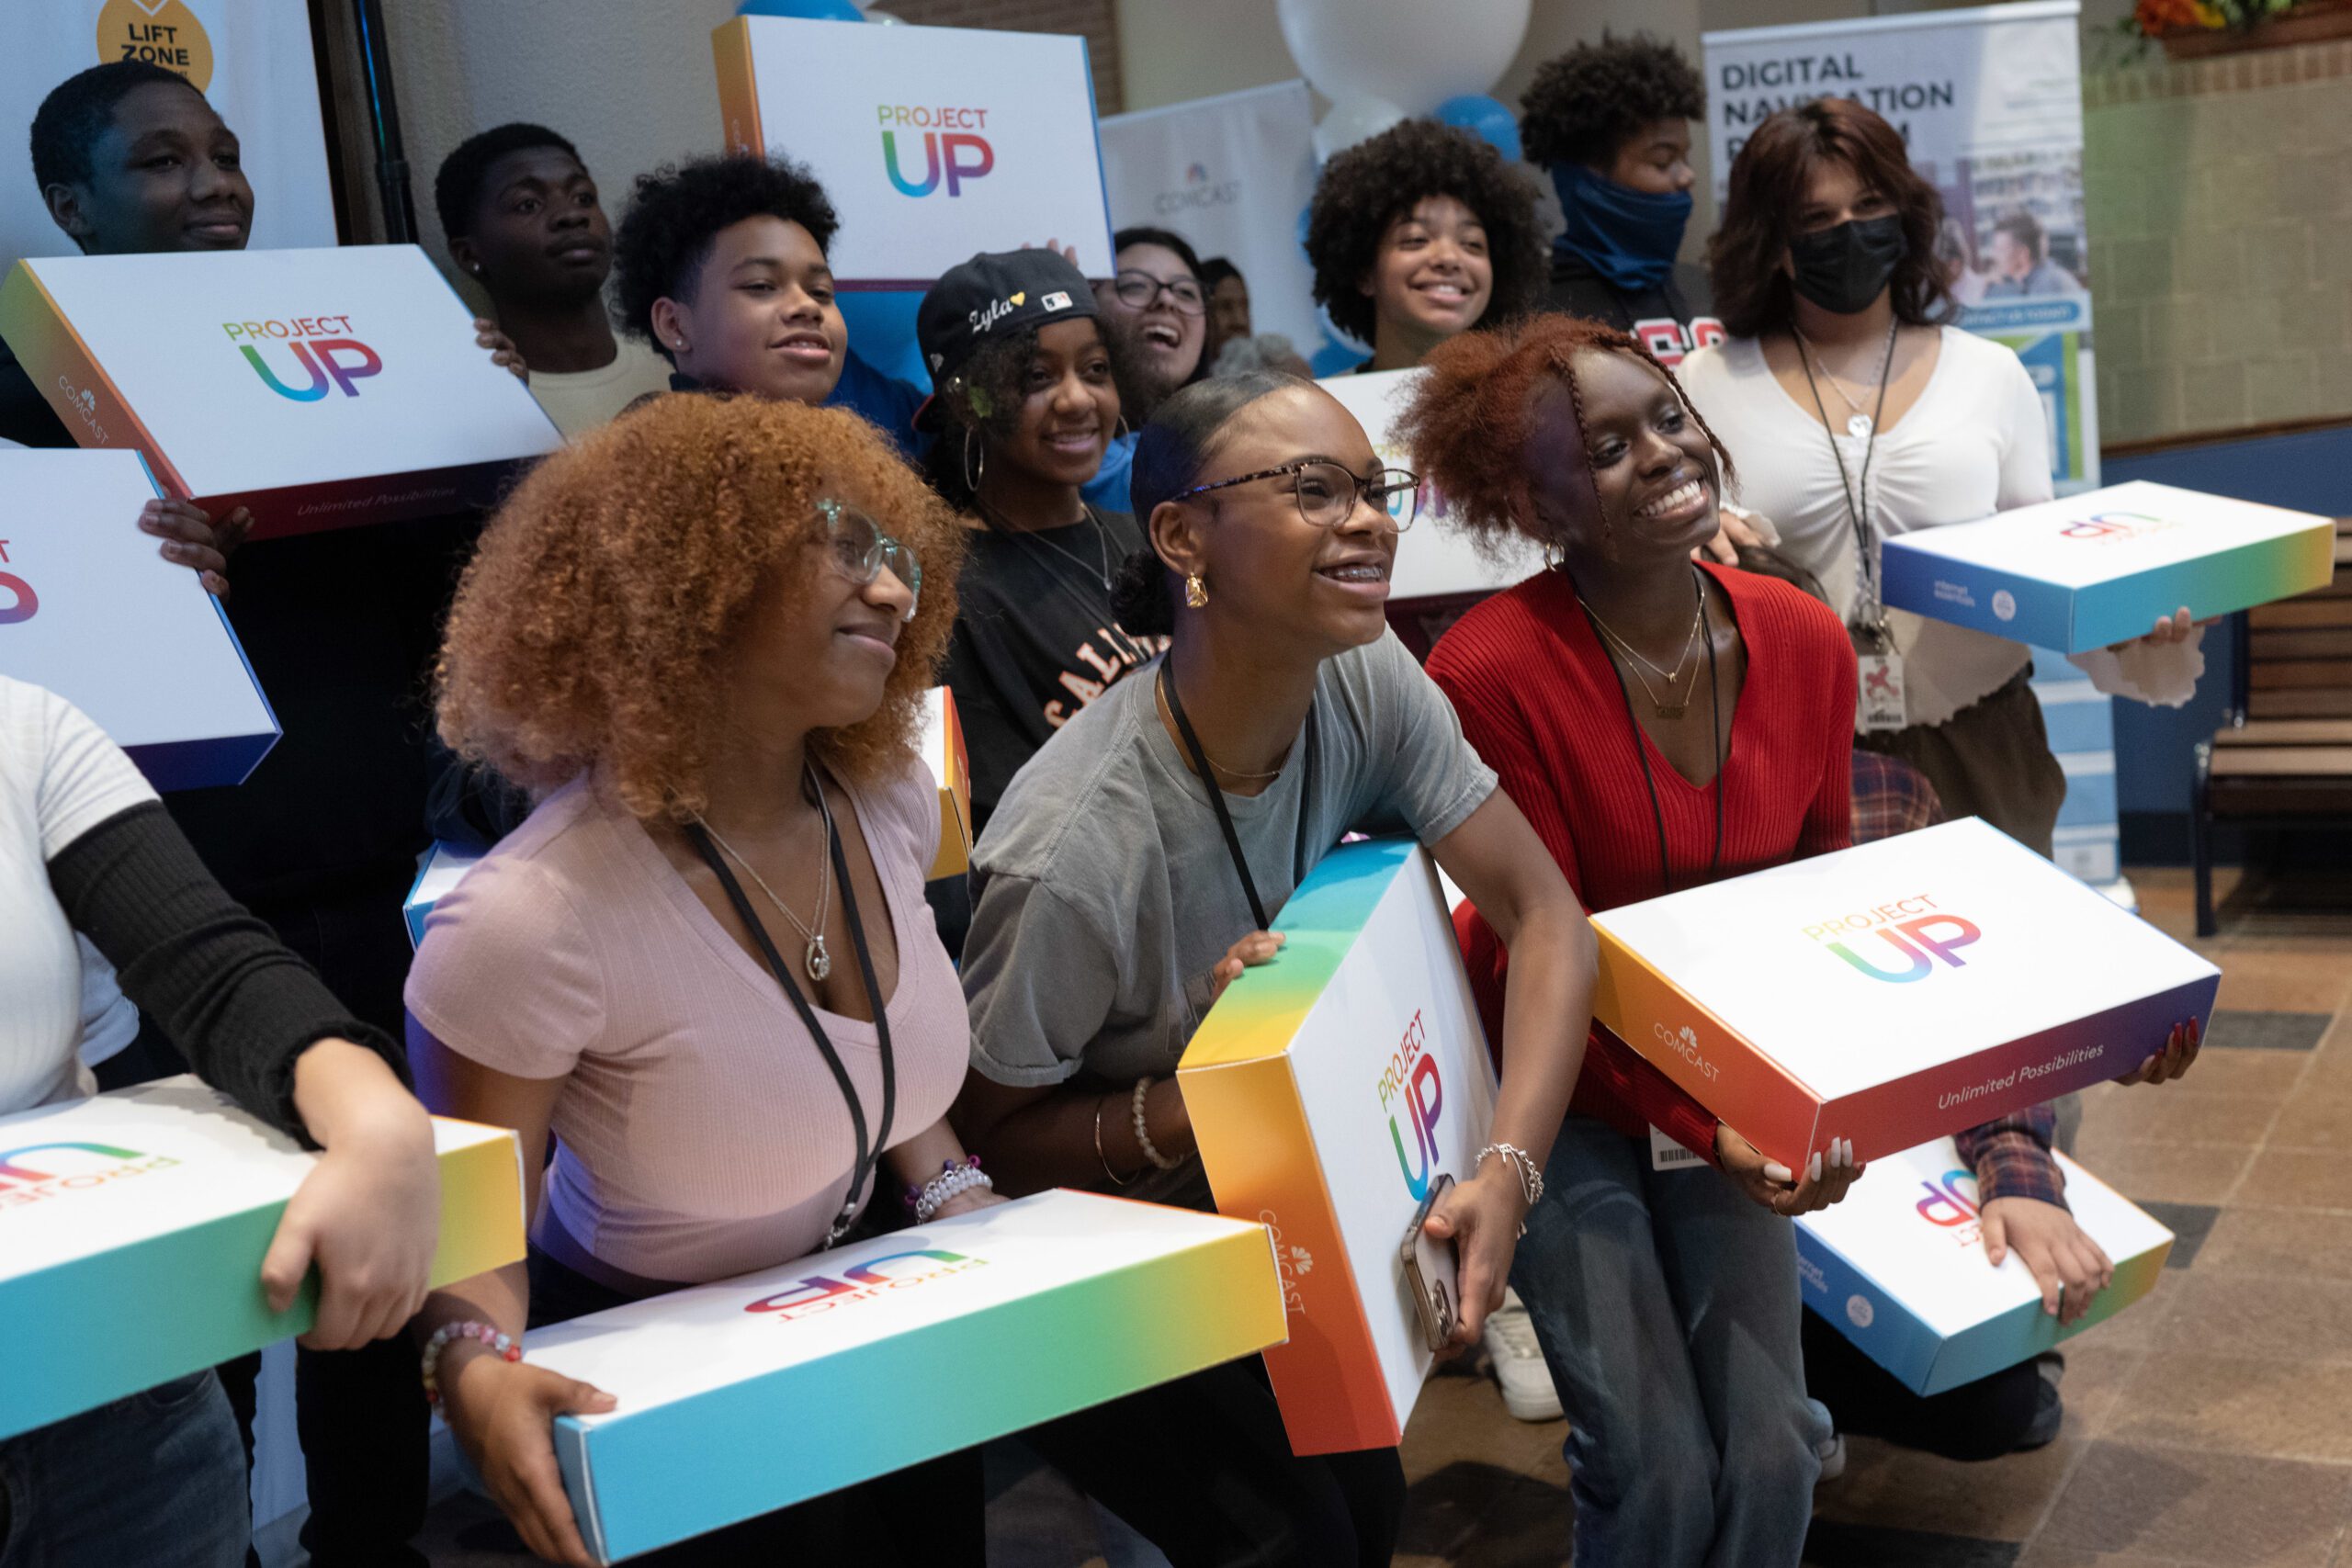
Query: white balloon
{"points": [[1350, 121], [1414, 53]]}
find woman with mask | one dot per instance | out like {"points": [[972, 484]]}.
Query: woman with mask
{"points": [[1133, 868], [1028, 402], [1860, 416], [1420, 233], [1611, 122]]}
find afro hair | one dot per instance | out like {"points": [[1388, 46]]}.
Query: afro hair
{"points": [[456, 188], [79, 109], [1584, 105], [674, 216], [1369, 185]]}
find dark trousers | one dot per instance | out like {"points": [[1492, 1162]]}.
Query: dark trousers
{"points": [[1202, 1468], [1978, 1420], [929, 1513], [361, 1415]]}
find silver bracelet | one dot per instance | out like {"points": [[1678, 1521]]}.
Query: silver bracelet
{"points": [[1531, 1180], [941, 1189], [1143, 1134]]}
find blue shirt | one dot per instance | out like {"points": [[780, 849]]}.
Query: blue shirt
{"points": [[1107, 491]]}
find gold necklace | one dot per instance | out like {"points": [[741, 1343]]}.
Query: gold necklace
{"points": [[1212, 761], [1613, 639]]}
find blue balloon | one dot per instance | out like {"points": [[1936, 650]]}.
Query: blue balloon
{"points": [[808, 10], [1485, 118], [1304, 213], [882, 329]]}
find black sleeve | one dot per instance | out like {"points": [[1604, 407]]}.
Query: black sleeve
{"points": [[239, 1006]]}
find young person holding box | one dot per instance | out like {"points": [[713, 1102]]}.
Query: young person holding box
{"points": [[705, 629], [1131, 870]]}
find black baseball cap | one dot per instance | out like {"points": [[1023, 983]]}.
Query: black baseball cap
{"points": [[994, 293]]}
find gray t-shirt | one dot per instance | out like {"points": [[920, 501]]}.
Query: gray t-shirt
{"points": [[1103, 894]]}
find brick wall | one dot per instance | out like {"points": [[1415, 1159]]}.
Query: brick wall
{"points": [[1096, 20], [2219, 197]]}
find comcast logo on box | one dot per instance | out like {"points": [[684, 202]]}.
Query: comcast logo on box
{"points": [[321, 347]]}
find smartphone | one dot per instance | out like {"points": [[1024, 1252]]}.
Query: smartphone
{"points": [[1430, 1273]]}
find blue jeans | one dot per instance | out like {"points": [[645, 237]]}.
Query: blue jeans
{"points": [[1667, 1306], [159, 1477]]}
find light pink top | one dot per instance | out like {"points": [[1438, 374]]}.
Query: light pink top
{"points": [[701, 1133]]}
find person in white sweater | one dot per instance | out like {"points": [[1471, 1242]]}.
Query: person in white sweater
{"points": [[1858, 416]]}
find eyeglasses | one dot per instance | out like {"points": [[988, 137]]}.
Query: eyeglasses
{"points": [[1138, 290], [859, 549], [1327, 493]]}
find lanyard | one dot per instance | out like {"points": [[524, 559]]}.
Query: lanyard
{"points": [[1858, 496], [1217, 797], [868, 1153], [1641, 751]]}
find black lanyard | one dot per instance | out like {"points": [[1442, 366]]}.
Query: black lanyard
{"points": [[1216, 797], [1858, 497], [1641, 751], [867, 1153]]}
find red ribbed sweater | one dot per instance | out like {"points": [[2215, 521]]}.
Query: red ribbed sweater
{"points": [[1538, 697]]}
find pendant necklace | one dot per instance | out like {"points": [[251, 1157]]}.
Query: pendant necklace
{"points": [[819, 961], [1858, 425], [1668, 709]]}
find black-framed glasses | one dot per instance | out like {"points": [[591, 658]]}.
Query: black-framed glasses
{"points": [[1138, 291], [1327, 493], [859, 549]]}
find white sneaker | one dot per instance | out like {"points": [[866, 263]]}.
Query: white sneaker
{"points": [[1518, 1360]]}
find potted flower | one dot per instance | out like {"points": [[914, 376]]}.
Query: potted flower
{"points": [[2196, 30]]}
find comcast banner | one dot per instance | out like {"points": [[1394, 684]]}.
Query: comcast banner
{"points": [[1990, 101], [1230, 174], [252, 57]]}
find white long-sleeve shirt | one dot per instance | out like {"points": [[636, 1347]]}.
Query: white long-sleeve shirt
{"points": [[1975, 443]]}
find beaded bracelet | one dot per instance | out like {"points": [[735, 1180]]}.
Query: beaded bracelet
{"points": [[1143, 1134], [953, 1179], [487, 1333]]}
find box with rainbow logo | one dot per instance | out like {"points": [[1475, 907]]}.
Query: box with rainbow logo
{"points": [[91, 611], [1891, 993], [2103, 567], [748, 1396], [132, 1228], [320, 388], [1327, 1090], [1899, 1268]]}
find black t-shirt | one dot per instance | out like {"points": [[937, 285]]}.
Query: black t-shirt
{"points": [[1036, 640], [1671, 320]]}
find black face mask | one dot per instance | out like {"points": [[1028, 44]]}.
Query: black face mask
{"points": [[1842, 268]]}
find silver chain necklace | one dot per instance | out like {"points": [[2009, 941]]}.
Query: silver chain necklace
{"points": [[1101, 540], [1859, 424], [820, 963]]}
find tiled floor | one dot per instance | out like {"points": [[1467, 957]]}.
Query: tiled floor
{"points": [[2211, 1424]]}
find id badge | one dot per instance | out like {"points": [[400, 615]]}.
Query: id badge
{"points": [[1878, 702], [1667, 1155]]}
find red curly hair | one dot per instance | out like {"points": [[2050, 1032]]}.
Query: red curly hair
{"points": [[591, 625], [1470, 418]]}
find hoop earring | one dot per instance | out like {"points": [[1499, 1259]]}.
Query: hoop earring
{"points": [[1125, 429], [1196, 594], [974, 472]]}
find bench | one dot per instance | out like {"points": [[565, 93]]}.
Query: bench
{"points": [[2283, 757]]}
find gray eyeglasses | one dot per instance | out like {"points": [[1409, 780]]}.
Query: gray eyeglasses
{"points": [[1327, 493]]}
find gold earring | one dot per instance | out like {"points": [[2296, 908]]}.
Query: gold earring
{"points": [[1196, 594]]}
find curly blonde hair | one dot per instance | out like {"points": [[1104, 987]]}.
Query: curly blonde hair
{"points": [[590, 627]]}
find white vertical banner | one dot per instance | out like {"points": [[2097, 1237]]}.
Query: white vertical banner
{"points": [[251, 57], [1232, 175], [1990, 101]]}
